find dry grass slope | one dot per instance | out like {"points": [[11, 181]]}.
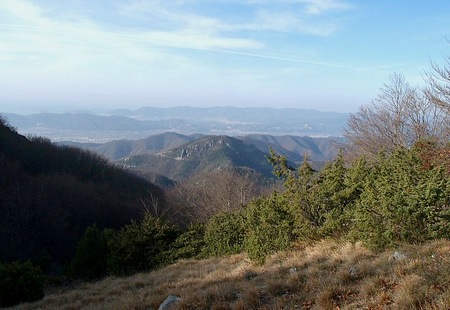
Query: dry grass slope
{"points": [[326, 275]]}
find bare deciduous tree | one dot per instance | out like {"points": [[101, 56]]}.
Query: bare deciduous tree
{"points": [[201, 197], [438, 92], [400, 116], [438, 79], [151, 204]]}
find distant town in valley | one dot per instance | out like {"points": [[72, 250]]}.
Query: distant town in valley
{"points": [[147, 121]]}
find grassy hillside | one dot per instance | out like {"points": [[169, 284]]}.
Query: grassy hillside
{"points": [[324, 275]]}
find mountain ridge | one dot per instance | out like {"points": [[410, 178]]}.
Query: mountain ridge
{"points": [[128, 124], [293, 147], [206, 154]]}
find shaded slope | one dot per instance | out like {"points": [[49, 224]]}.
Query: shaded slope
{"points": [[49, 194]]}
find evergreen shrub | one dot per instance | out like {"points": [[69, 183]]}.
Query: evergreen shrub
{"points": [[90, 261], [143, 246], [189, 244], [270, 228], [224, 234]]}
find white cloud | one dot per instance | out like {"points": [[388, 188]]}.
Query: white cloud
{"points": [[23, 10], [299, 16], [293, 16], [31, 39], [151, 32], [316, 7], [289, 22], [309, 6]]}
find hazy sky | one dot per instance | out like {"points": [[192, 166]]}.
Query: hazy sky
{"points": [[62, 55]]}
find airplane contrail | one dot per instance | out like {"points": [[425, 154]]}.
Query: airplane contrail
{"points": [[317, 63], [286, 59]]}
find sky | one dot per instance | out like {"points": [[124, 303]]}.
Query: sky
{"points": [[100, 55]]}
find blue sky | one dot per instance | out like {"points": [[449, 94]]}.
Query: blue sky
{"points": [[329, 55]]}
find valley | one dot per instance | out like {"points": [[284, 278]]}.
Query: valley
{"points": [[122, 124]]}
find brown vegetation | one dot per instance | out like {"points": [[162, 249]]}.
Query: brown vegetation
{"points": [[199, 198], [325, 275]]}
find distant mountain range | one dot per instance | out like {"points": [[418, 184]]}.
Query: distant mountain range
{"points": [[182, 141], [119, 149], [178, 156], [141, 123], [318, 149]]}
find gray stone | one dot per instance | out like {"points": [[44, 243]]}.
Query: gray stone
{"points": [[353, 272], [169, 302], [397, 257]]}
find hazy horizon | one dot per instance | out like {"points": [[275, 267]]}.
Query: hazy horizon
{"points": [[107, 111], [328, 55]]}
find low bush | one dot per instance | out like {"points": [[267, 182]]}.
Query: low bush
{"points": [[225, 234], [141, 246], [270, 228], [189, 244]]}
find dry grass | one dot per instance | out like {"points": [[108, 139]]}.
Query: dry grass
{"points": [[326, 275]]}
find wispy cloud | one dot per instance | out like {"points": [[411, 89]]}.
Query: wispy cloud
{"points": [[23, 10], [316, 7], [296, 16], [289, 22], [169, 24], [159, 44], [313, 7], [31, 38]]}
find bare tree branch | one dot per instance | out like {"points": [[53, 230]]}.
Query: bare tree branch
{"points": [[399, 116]]}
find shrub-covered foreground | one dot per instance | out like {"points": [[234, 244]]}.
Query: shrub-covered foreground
{"points": [[403, 196], [400, 197], [323, 275]]}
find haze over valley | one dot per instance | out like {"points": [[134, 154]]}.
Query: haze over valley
{"points": [[143, 122]]}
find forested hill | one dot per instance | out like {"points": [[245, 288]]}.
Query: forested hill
{"points": [[49, 194]]}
